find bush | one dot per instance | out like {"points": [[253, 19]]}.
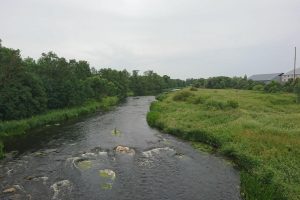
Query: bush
{"points": [[161, 97], [232, 104], [193, 88], [258, 87], [198, 100], [273, 87], [182, 96], [216, 104]]}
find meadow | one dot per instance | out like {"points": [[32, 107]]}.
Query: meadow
{"points": [[259, 132]]}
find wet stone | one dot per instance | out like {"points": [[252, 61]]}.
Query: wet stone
{"points": [[123, 149], [10, 190], [61, 189], [107, 173], [84, 164]]}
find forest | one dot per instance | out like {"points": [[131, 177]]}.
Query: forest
{"points": [[29, 87]]}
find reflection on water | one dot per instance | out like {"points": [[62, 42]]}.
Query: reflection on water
{"points": [[114, 155]]}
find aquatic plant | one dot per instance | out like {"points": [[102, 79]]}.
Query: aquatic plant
{"points": [[116, 132]]}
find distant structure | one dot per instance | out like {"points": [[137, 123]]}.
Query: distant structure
{"points": [[290, 75], [267, 78]]}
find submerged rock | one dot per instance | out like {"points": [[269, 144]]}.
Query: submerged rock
{"points": [[99, 151], [40, 154], [88, 154], [29, 178], [108, 177], [106, 186], [156, 151], [38, 178], [107, 173], [79, 163], [84, 164], [10, 190], [61, 189], [123, 149]]}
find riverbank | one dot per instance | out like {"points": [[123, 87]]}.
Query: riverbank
{"points": [[19, 127], [259, 132]]}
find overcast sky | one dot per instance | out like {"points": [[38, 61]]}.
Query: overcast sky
{"points": [[181, 38]]}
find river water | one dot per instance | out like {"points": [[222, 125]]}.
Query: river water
{"points": [[79, 160]]}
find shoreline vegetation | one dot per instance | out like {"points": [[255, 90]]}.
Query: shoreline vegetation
{"points": [[259, 132], [14, 128]]}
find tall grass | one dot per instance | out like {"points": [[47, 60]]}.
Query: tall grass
{"points": [[259, 132], [19, 127]]}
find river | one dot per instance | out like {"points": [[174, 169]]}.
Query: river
{"points": [[80, 160]]}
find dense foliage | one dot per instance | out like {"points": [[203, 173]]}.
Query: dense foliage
{"points": [[259, 131], [29, 87], [223, 82]]}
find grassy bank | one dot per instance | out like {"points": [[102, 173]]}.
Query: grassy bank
{"points": [[19, 127], [259, 132]]}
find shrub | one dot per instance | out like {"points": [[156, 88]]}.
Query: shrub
{"points": [[232, 104], [198, 100], [193, 88], [273, 87], [182, 95], [216, 104], [258, 87], [161, 97]]}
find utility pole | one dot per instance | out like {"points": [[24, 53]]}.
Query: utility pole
{"points": [[295, 64]]}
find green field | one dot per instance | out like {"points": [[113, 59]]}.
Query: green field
{"points": [[259, 132], [15, 128]]}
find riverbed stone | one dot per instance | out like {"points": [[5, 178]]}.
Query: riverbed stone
{"points": [[124, 149], [10, 190], [107, 173], [61, 189], [85, 164]]}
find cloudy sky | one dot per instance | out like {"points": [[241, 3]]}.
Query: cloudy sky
{"points": [[181, 38]]}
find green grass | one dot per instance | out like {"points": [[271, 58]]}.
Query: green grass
{"points": [[259, 132], [20, 127]]}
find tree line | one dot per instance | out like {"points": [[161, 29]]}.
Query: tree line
{"points": [[29, 87], [223, 82]]}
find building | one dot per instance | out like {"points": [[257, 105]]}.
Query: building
{"points": [[267, 78], [290, 75]]}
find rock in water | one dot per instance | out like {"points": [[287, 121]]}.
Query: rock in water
{"points": [[9, 190], [107, 173], [123, 149], [84, 164], [62, 189]]}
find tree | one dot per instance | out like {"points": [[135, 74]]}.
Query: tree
{"points": [[21, 92]]}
